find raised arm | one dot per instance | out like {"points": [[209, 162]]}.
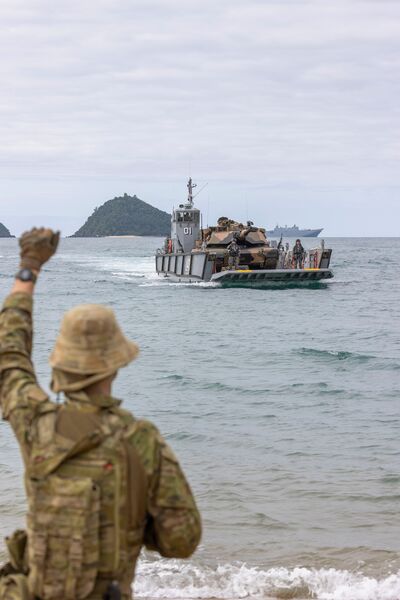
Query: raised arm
{"points": [[20, 396]]}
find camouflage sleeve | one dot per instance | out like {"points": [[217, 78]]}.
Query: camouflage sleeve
{"points": [[174, 524], [20, 396]]}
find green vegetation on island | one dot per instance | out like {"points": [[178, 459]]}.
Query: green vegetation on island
{"points": [[4, 233], [125, 215]]}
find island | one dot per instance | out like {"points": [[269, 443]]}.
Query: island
{"points": [[124, 216], [4, 233]]}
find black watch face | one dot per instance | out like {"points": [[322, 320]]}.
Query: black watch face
{"points": [[25, 275]]}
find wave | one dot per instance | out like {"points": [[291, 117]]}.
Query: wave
{"points": [[177, 579], [117, 266], [133, 268], [336, 355], [215, 386], [158, 281], [218, 386]]}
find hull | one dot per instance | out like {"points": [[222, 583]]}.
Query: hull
{"points": [[293, 233], [189, 267], [268, 278], [197, 268]]}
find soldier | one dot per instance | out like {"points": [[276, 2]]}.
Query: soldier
{"points": [[282, 255], [100, 483], [298, 254], [233, 254]]}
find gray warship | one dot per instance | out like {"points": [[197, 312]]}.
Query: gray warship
{"points": [[293, 232], [232, 254]]}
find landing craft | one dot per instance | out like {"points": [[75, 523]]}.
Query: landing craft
{"points": [[232, 254]]}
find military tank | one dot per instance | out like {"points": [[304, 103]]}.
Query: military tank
{"points": [[232, 254]]}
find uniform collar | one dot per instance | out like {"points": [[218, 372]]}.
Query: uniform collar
{"points": [[83, 402]]}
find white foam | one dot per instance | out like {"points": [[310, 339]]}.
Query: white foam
{"points": [[179, 579], [119, 267], [157, 280], [133, 268]]}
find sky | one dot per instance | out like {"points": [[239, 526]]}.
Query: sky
{"points": [[287, 109]]}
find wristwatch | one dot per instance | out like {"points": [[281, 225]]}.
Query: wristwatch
{"points": [[26, 275]]}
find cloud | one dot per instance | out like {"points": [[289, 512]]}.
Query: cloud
{"points": [[303, 92]]}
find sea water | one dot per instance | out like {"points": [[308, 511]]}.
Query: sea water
{"points": [[282, 406]]}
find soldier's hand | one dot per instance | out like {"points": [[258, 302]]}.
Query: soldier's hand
{"points": [[37, 246]]}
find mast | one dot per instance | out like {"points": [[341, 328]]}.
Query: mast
{"points": [[190, 187]]}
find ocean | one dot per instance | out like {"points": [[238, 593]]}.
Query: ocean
{"points": [[282, 406]]}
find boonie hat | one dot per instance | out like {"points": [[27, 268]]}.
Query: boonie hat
{"points": [[90, 341]]}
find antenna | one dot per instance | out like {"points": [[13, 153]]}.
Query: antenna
{"points": [[200, 190]]}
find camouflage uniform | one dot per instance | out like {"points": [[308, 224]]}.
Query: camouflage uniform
{"points": [[233, 254], [298, 254], [156, 507]]}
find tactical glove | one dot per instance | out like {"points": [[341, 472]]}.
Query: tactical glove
{"points": [[37, 246]]}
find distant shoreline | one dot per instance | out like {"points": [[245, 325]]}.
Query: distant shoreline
{"points": [[104, 237]]}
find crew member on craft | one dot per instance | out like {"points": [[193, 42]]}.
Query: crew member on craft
{"points": [[298, 255], [233, 254]]}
